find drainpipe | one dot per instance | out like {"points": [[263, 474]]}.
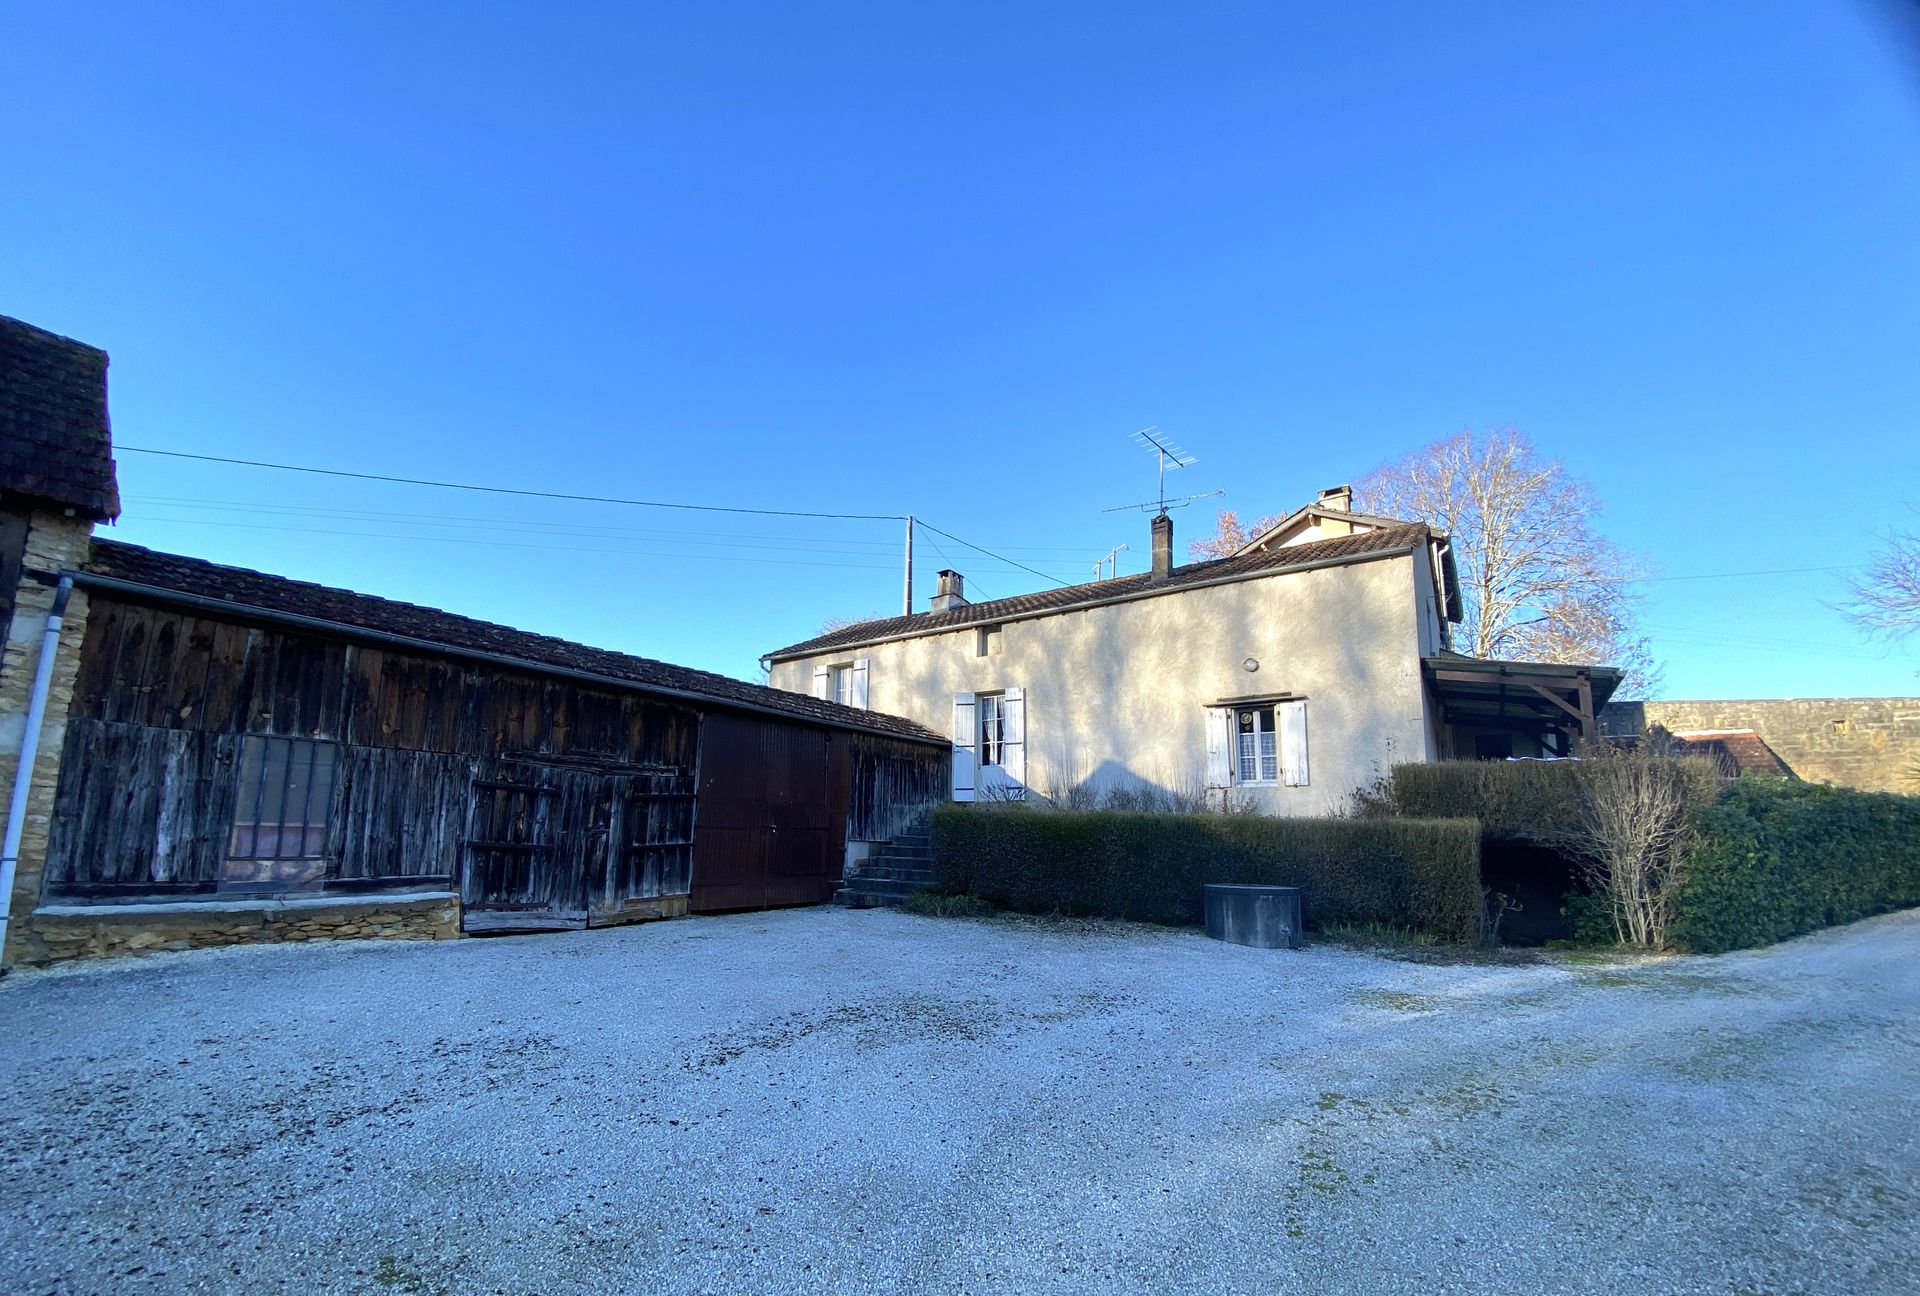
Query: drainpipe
{"points": [[29, 749]]}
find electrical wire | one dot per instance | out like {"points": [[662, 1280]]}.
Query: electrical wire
{"points": [[512, 490]]}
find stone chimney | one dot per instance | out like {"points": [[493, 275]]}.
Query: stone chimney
{"points": [[952, 583], [1337, 498], [1162, 546]]}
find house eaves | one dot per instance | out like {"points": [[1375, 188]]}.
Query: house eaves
{"points": [[1342, 551]]}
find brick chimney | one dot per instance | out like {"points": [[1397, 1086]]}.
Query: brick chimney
{"points": [[951, 595], [1162, 546], [1337, 498]]}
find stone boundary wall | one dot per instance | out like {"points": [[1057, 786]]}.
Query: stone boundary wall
{"points": [[56, 932], [1867, 743]]}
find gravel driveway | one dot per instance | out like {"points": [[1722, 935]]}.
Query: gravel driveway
{"points": [[827, 1100]]}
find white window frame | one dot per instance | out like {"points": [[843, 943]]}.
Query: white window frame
{"points": [[1256, 754], [845, 683], [1282, 724], [990, 725]]}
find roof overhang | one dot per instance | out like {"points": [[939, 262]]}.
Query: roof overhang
{"points": [[803, 651], [346, 630], [1536, 697]]}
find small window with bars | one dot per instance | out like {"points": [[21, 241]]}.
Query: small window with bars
{"points": [[280, 815]]}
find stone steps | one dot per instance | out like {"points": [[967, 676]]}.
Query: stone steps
{"points": [[894, 871]]}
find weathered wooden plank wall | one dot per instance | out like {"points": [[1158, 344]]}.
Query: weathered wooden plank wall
{"points": [[175, 670], [165, 700], [142, 808], [894, 786]]}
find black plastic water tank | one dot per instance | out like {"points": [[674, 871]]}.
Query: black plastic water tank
{"points": [[1264, 916]]}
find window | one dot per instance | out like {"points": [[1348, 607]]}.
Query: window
{"points": [[987, 641], [993, 729], [1269, 744], [1259, 746], [845, 683], [280, 814]]}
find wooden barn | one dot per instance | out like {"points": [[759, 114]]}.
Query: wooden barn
{"points": [[235, 737], [220, 755]]}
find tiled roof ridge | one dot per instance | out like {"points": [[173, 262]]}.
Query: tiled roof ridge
{"points": [[1361, 545]]}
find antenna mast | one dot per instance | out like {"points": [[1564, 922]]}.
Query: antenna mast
{"points": [[1164, 453]]}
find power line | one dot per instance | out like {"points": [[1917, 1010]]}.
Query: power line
{"points": [[988, 552], [513, 490], [519, 544], [585, 499]]}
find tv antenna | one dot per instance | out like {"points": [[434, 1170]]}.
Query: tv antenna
{"points": [[1167, 456]]}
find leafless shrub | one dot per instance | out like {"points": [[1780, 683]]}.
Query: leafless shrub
{"points": [[1631, 835]]}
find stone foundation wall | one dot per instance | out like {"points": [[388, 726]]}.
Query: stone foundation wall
{"points": [[54, 543], [54, 933], [1867, 743]]}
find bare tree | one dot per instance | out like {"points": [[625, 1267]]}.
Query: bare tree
{"points": [[1632, 835], [1538, 581], [1886, 599], [834, 623], [1231, 535]]}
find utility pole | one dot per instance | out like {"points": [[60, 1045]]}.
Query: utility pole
{"points": [[907, 609]]}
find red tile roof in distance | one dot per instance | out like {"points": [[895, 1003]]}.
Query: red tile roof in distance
{"points": [[164, 574], [1350, 548]]}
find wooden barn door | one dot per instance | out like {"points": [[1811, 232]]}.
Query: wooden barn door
{"points": [[769, 832], [534, 835]]}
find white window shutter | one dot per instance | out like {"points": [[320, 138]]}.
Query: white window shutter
{"points": [[966, 735], [1013, 758], [1219, 747], [861, 666], [822, 683], [1292, 720]]}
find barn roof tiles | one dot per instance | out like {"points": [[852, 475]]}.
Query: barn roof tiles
{"points": [[1351, 548], [54, 443], [134, 569]]}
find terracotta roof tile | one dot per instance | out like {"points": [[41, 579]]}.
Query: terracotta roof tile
{"points": [[1095, 593], [172, 573], [54, 442]]}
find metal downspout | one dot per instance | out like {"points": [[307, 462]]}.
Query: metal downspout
{"points": [[29, 751]]}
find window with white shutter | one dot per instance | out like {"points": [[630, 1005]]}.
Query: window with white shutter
{"points": [[1293, 743], [1268, 745]]}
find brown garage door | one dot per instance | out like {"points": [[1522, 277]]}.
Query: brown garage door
{"points": [[772, 815]]}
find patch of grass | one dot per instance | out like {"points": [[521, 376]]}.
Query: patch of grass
{"points": [[934, 903], [391, 1271], [1401, 1001], [1411, 946], [1378, 936]]}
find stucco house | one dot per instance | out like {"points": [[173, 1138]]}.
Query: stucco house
{"points": [[1282, 677]]}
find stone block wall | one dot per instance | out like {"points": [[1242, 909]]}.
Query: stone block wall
{"points": [[54, 933], [53, 543], [1867, 743]]}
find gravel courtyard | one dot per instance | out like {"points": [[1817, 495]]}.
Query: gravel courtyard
{"points": [[826, 1100]]}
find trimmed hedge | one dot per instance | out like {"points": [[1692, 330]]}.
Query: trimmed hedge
{"points": [[1774, 859], [1423, 874], [1522, 800]]}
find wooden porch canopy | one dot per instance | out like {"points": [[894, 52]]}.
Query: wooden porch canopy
{"points": [[1531, 697]]}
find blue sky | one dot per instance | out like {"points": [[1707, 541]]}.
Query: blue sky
{"points": [[888, 259]]}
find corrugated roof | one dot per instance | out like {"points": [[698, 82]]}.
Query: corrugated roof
{"points": [[166, 573], [1370, 544], [54, 442]]}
